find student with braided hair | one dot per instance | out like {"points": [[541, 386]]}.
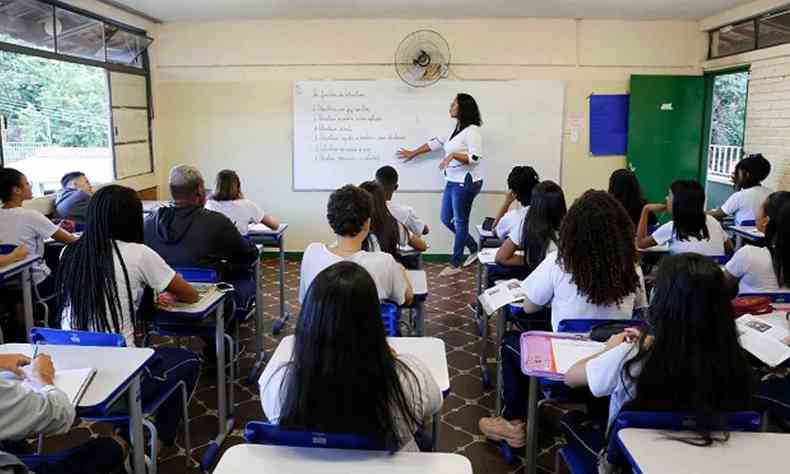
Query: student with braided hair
{"points": [[594, 274], [101, 282]]}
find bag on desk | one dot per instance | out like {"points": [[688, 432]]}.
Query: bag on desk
{"points": [[602, 332], [751, 305]]}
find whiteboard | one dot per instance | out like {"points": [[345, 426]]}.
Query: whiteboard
{"points": [[345, 130]]}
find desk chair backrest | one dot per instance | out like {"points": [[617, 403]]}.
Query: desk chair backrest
{"points": [[720, 259], [6, 248], [198, 275], [390, 318], [59, 337], [779, 297], [748, 223], [260, 432], [584, 326], [733, 421]]}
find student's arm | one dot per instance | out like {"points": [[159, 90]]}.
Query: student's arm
{"points": [[417, 243], [576, 376], [729, 247], [409, 293], [182, 290], [643, 239], [717, 214], [506, 255], [19, 253], [64, 237], [509, 198], [408, 155], [270, 222], [539, 285]]}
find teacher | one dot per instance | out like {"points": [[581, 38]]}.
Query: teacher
{"points": [[462, 156]]}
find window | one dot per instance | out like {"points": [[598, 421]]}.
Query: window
{"points": [[734, 39], [27, 23], [768, 30], [774, 29]]}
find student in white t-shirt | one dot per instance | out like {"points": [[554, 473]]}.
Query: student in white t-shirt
{"points": [[101, 280], [745, 203], [691, 230], [343, 377], [520, 182], [386, 233], [387, 177], [758, 269], [594, 275], [348, 212], [689, 360], [230, 201]]}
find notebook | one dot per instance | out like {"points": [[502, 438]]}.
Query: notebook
{"points": [[763, 337], [567, 352], [261, 229], [503, 293], [73, 382]]}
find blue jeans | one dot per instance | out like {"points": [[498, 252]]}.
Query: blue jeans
{"points": [[456, 206]]}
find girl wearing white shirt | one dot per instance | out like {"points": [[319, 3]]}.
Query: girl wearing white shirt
{"points": [[229, 200], [760, 269], [343, 377], [745, 203], [593, 275], [687, 359], [520, 182], [691, 230], [463, 153], [100, 285]]}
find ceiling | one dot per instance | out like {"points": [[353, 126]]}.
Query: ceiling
{"points": [[201, 10]]}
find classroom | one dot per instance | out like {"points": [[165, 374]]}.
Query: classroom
{"points": [[394, 236]]}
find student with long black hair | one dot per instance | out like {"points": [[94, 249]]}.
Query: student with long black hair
{"points": [[624, 186], [101, 281], [691, 230], [343, 377], [386, 233], [766, 269], [688, 358], [520, 183], [593, 274], [538, 233]]}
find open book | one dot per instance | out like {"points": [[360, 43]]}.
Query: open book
{"points": [[261, 229], [765, 337], [503, 293], [567, 352], [204, 291], [73, 382]]}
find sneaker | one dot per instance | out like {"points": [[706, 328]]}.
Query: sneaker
{"points": [[498, 429], [470, 259], [449, 271]]}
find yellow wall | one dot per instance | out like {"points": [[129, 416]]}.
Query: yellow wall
{"points": [[223, 100]]}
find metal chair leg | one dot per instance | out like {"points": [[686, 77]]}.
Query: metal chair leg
{"points": [[154, 461], [187, 436]]}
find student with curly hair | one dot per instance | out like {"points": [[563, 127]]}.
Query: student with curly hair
{"points": [[749, 194], [594, 274], [349, 214], [520, 182]]}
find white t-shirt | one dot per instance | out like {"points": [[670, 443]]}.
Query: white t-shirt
{"points": [[386, 272], [754, 267], [145, 268], [746, 203], [242, 212], [468, 141], [605, 377], [550, 284], [20, 226], [406, 216], [511, 224], [426, 398], [713, 247]]}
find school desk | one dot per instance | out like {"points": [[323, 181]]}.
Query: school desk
{"points": [[245, 458], [749, 233], [275, 239], [117, 374], [419, 284], [22, 269]]}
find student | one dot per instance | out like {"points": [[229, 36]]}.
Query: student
{"points": [[520, 182], [349, 214], [229, 201], [19, 253], [188, 235], [750, 194], [624, 186], [387, 177], [343, 377], [761, 269], [690, 230], [32, 404], [538, 232], [688, 360], [20, 226], [100, 288], [386, 233], [594, 274], [71, 201]]}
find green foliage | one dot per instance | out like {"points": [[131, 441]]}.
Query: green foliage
{"points": [[729, 109], [48, 101]]}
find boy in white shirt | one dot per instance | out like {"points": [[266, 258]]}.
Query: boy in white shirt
{"points": [[348, 212], [750, 194], [387, 177]]}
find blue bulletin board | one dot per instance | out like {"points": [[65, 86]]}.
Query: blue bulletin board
{"points": [[608, 124]]}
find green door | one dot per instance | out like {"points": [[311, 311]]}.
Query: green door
{"points": [[665, 131]]}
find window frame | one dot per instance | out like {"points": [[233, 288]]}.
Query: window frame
{"points": [[144, 71], [757, 21]]}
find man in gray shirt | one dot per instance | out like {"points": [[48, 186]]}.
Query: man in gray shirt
{"points": [[31, 404]]}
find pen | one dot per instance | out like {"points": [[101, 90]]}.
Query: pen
{"points": [[35, 350]]}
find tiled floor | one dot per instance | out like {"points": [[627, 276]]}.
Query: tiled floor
{"points": [[447, 317]]}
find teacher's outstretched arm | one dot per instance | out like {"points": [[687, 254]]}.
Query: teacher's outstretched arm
{"points": [[408, 155]]}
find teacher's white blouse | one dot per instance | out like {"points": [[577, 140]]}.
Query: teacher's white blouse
{"points": [[468, 141]]}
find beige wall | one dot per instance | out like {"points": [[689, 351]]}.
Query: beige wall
{"points": [[223, 99]]}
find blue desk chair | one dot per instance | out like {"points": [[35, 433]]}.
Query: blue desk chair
{"points": [[390, 316], [721, 259], [37, 298], [779, 297], [580, 460], [748, 223], [259, 432], [60, 337]]}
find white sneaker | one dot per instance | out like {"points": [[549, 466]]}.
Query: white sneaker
{"points": [[470, 259], [449, 271]]}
